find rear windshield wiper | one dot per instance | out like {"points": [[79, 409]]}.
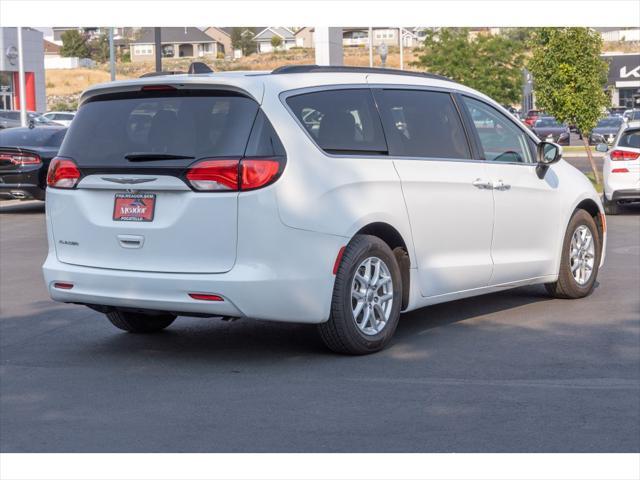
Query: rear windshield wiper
{"points": [[151, 156]]}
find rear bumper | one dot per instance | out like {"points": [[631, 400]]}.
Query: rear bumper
{"points": [[21, 191], [626, 195], [280, 274]]}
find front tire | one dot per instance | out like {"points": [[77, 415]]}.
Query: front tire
{"points": [[367, 298], [135, 322], [581, 251]]}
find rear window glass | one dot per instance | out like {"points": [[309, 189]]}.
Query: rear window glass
{"points": [[264, 141], [192, 124], [341, 121], [630, 139], [32, 137], [422, 124]]}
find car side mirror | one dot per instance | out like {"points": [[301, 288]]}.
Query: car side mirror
{"points": [[602, 147], [548, 153]]}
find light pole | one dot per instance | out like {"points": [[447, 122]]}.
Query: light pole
{"points": [[112, 55], [23, 96], [157, 40], [401, 43], [370, 46]]}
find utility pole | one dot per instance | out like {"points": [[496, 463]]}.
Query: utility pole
{"points": [[158, 48], [371, 46], [23, 96], [112, 55]]}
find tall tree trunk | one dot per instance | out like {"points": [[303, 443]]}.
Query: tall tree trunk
{"points": [[585, 140]]}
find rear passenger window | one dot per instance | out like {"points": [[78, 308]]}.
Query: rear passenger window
{"points": [[341, 121], [264, 141], [422, 124]]}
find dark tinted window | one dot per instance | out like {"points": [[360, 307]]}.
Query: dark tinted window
{"points": [[194, 124], [32, 137], [422, 124], [630, 139], [609, 122], [264, 141], [341, 121]]}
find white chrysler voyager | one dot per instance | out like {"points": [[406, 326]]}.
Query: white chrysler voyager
{"points": [[338, 196]]}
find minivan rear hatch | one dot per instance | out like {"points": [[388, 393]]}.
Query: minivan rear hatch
{"points": [[132, 208]]}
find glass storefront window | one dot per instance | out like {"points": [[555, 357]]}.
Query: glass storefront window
{"points": [[6, 90]]}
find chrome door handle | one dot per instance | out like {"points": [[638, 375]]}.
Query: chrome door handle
{"points": [[478, 183], [500, 185]]}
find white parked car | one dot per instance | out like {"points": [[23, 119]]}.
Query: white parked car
{"points": [[338, 196], [621, 168], [63, 118]]}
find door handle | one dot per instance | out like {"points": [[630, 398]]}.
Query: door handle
{"points": [[482, 184], [500, 185]]}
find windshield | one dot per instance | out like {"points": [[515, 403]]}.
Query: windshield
{"points": [[32, 137], [547, 122], [609, 122], [182, 125]]}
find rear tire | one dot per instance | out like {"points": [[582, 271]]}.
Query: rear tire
{"points": [[567, 285], [610, 207], [135, 322], [358, 288]]}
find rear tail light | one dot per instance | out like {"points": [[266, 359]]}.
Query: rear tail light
{"points": [[157, 88], [63, 173], [623, 155], [20, 159], [620, 170], [233, 175]]}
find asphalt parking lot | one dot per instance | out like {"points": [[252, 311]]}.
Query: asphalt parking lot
{"points": [[509, 372]]}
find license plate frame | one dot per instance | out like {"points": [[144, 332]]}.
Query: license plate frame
{"points": [[142, 205]]}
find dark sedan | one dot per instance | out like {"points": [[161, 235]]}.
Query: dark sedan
{"points": [[606, 130], [548, 129], [25, 154]]}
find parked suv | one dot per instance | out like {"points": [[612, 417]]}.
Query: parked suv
{"points": [[338, 196]]}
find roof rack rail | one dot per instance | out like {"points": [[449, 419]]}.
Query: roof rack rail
{"points": [[344, 69]]}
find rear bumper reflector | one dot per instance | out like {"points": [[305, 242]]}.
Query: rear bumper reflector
{"points": [[336, 264], [207, 297], [63, 285]]}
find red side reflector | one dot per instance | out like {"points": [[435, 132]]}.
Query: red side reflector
{"points": [[157, 88], [63, 285], [62, 173], [620, 170], [623, 155], [206, 296], [336, 264], [603, 219]]}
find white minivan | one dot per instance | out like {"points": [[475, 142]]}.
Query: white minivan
{"points": [[339, 196]]}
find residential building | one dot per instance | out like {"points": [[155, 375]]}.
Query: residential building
{"points": [[263, 39], [619, 34], [33, 59], [177, 42], [222, 35], [305, 37], [91, 32], [51, 49]]}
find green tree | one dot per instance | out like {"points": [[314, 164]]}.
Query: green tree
{"points": [[99, 49], [74, 44], [276, 42], [489, 63], [569, 78], [242, 39]]}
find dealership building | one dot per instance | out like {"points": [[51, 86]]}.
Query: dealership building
{"points": [[624, 79], [33, 52]]}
